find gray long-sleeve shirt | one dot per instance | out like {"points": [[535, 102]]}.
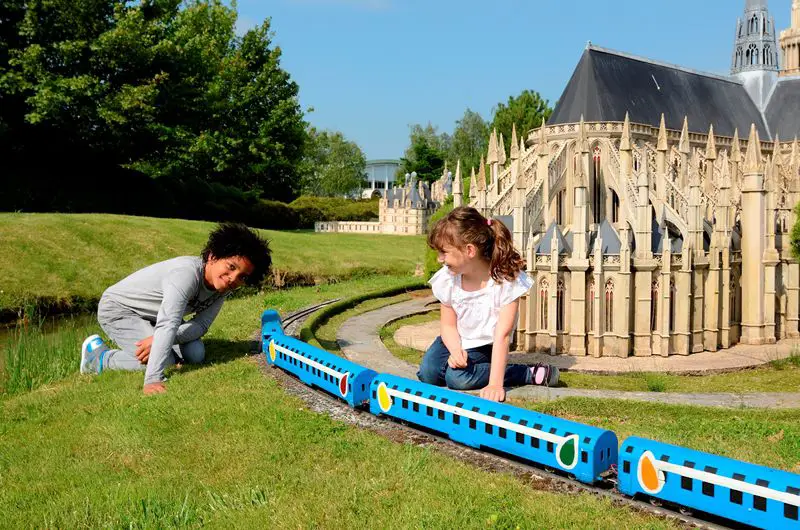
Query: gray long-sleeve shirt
{"points": [[164, 293]]}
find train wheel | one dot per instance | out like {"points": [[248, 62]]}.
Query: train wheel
{"points": [[656, 502], [688, 512]]}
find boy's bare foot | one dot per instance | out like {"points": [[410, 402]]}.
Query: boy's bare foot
{"points": [[154, 388]]}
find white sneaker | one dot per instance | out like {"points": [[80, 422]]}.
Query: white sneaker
{"points": [[92, 355]]}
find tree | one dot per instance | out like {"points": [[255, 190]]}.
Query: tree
{"points": [[425, 154], [333, 165], [470, 141], [527, 111], [162, 87]]}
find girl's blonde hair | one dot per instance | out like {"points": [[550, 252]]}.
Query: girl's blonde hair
{"points": [[466, 226]]}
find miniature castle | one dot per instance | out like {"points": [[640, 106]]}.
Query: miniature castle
{"points": [[402, 210]]}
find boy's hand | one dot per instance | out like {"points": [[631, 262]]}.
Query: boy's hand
{"points": [[143, 349], [154, 388], [493, 393], [458, 361]]}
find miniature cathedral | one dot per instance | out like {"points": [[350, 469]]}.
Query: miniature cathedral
{"points": [[661, 229]]}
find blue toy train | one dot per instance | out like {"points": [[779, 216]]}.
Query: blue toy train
{"points": [[738, 491]]}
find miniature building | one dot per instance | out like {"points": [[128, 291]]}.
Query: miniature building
{"points": [[650, 226]]}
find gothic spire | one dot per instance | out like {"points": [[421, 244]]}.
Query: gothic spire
{"points": [[752, 161], [514, 142], [662, 135], [683, 145]]}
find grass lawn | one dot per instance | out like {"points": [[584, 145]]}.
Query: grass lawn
{"points": [[782, 375], [69, 256], [226, 447]]}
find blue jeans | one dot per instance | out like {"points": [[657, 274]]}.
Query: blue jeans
{"points": [[434, 369]]}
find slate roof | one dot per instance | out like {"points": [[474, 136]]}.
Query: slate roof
{"points": [[544, 244], [783, 109], [606, 84]]}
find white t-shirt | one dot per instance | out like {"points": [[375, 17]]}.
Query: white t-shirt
{"points": [[477, 311]]}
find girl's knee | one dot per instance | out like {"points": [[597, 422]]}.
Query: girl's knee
{"points": [[459, 380]]}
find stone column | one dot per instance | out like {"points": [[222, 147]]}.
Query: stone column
{"points": [[683, 305], [725, 299], [753, 244]]}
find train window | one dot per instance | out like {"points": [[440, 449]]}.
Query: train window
{"points": [[520, 438], [588, 440], [708, 489], [789, 510], [552, 430], [418, 393], [415, 407], [736, 497], [441, 414], [429, 411], [404, 403], [505, 418], [444, 400], [374, 395], [534, 442], [686, 483], [456, 419], [473, 424], [760, 503], [608, 453], [502, 432], [488, 428], [584, 457], [549, 447], [601, 456], [665, 458], [460, 405], [537, 426], [626, 466], [363, 387]]}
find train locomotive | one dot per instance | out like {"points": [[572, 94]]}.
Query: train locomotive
{"points": [[739, 491]]}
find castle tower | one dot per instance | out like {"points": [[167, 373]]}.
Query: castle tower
{"points": [[790, 44], [755, 52]]}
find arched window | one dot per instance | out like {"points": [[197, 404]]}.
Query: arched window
{"points": [[752, 53], [753, 25], [673, 292], [590, 306], [560, 207], [543, 302], [767, 55], [596, 183], [654, 306], [609, 316], [560, 305], [614, 207]]}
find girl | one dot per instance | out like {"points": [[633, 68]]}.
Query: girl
{"points": [[479, 288], [144, 312]]}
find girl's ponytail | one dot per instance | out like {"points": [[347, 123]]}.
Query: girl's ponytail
{"points": [[505, 262]]}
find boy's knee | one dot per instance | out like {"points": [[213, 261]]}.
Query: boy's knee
{"points": [[193, 352]]}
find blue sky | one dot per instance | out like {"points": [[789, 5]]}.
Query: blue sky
{"points": [[371, 68]]}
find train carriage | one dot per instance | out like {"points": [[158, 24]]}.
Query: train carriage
{"points": [[573, 448], [314, 366], [740, 491]]}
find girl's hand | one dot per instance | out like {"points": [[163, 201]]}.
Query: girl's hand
{"points": [[493, 393], [458, 361]]}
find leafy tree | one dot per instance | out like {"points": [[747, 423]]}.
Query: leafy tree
{"points": [[333, 165], [470, 141], [527, 111], [425, 154], [162, 87]]}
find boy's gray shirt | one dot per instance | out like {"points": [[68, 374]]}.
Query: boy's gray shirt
{"points": [[163, 293]]}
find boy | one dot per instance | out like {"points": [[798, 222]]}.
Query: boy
{"points": [[144, 312]]}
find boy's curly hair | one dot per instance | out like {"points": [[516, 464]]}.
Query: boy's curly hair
{"points": [[236, 239]]}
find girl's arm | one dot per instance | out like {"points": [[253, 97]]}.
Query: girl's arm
{"points": [[502, 336], [451, 338]]}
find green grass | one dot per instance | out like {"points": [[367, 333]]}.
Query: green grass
{"points": [[226, 447], [76, 256], [405, 353], [766, 437]]}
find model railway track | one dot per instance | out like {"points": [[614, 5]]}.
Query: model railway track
{"points": [[301, 314], [323, 402]]}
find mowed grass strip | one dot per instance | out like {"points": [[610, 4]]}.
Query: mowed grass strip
{"points": [[64, 256], [226, 447]]}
